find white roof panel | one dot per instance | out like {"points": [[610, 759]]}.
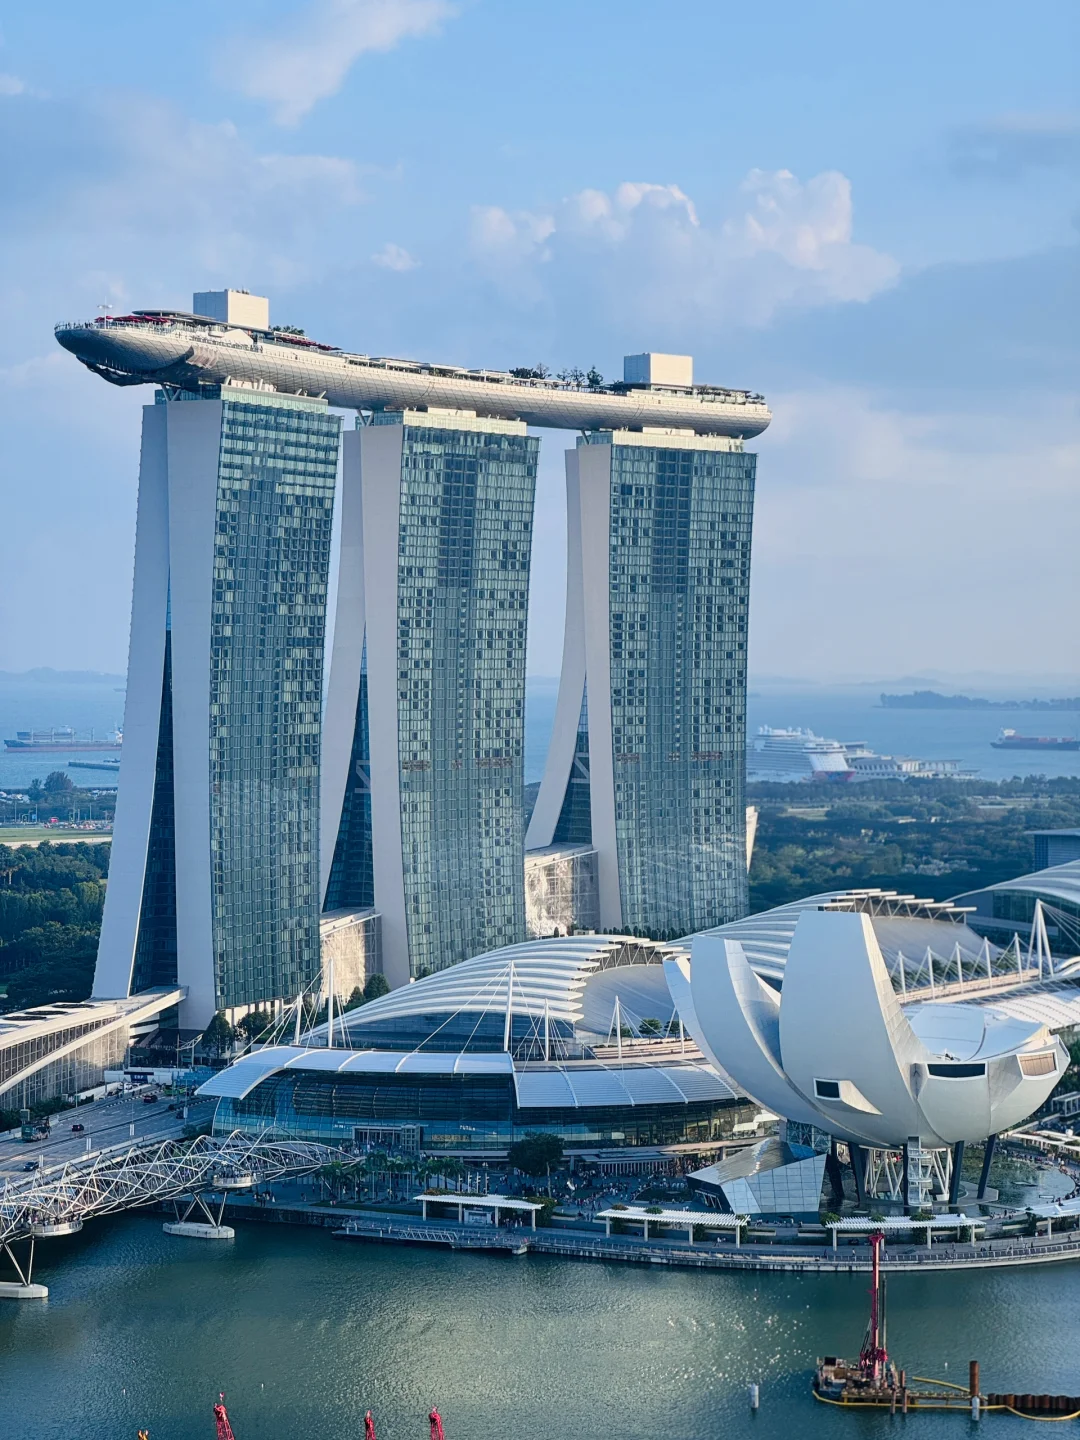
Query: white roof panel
{"points": [[240, 1079], [598, 1087], [648, 1086], [537, 1088]]}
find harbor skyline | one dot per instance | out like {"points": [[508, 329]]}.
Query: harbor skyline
{"points": [[541, 720]]}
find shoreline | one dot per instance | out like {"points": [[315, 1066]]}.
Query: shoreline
{"points": [[351, 1223]]}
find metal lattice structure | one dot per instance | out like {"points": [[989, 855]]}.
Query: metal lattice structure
{"points": [[57, 1199]]}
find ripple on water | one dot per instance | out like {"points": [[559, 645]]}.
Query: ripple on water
{"points": [[304, 1333]]}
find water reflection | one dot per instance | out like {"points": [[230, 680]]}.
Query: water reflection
{"points": [[304, 1333]]}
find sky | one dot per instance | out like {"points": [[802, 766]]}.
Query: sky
{"points": [[869, 213]]}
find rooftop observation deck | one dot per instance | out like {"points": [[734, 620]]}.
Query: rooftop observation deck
{"points": [[158, 347]]}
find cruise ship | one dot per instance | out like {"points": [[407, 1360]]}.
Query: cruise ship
{"points": [[786, 755]]}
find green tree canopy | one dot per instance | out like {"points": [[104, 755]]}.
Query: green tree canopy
{"points": [[218, 1035], [376, 985], [535, 1153], [255, 1023]]}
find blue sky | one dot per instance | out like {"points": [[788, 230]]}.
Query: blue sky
{"points": [[870, 213]]}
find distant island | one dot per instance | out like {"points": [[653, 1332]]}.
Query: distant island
{"points": [[933, 700]]}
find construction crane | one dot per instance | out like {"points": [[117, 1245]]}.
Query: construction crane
{"points": [[873, 1358], [221, 1420]]}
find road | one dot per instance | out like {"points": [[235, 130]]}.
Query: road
{"points": [[107, 1122]]}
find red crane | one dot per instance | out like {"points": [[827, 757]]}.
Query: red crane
{"points": [[221, 1420], [436, 1426], [873, 1357]]}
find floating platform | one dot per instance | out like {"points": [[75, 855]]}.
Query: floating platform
{"points": [[13, 1290], [199, 1230]]}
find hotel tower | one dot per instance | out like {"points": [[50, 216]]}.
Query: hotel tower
{"points": [[645, 778]]}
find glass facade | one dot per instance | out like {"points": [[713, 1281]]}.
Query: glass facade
{"points": [[155, 947], [79, 1069], [574, 825], [460, 1112], [277, 469], [352, 880], [464, 549], [678, 587]]}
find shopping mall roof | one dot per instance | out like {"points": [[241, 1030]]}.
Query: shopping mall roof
{"points": [[562, 1085], [534, 978], [1059, 882]]}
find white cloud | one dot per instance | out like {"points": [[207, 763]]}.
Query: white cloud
{"points": [[159, 195], [643, 251], [895, 540], [12, 85], [309, 58], [394, 257]]}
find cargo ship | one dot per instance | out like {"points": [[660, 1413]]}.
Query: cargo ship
{"points": [[62, 738], [1013, 740]]}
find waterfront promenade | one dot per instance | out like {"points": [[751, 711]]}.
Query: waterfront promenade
{"points": [[355, 1223]]}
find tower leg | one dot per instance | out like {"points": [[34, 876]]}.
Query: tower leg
{"points": [[858, 1169], [907, 1178], [957, 1164], [988, 1156]]}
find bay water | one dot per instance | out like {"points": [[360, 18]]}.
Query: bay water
{"points": [[304, 1333]]}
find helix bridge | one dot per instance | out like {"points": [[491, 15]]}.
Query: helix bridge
{"points": [[57, 1199]]}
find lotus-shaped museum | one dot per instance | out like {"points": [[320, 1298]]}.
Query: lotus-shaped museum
{"points": [[838, 1048]]}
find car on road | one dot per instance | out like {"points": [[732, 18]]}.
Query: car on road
{"points": [[30, 1165], [149, 1099], [77, 1129]]}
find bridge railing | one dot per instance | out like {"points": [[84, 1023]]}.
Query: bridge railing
{"points": [[125, 1176]]}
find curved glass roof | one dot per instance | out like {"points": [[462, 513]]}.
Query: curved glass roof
{"points": [[535, 978], [1061, 882]]}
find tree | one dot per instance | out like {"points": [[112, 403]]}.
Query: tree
{"points": [[650, 1026], [57, 783], [535, 1153], [218, 1035], [375, 985], [594, 377], [355, 999], [255, 1023]]}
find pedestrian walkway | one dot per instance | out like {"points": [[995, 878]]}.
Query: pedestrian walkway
{"points": [[357, 1223]]}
